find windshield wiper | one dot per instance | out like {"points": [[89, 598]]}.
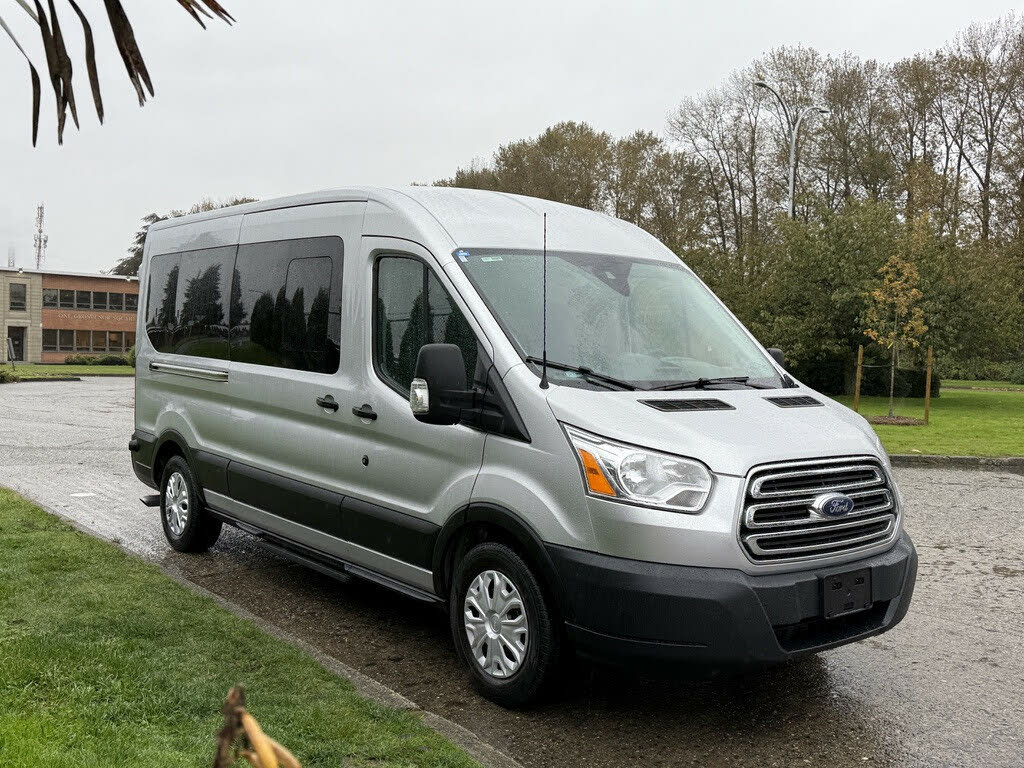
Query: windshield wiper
{"points": [[585, 372], [703, 383]]}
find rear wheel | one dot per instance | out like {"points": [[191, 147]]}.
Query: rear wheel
{"points": [[187, 525], [503, 626]]}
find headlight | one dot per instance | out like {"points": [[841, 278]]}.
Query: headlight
{"points": [[618, 471]]}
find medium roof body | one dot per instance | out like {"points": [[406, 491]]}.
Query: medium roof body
{"points": [[450, 217]]}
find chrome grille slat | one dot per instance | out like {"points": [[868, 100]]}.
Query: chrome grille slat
{"points": [[841, 544], [757, 492], [777, 523], [751, 521]]}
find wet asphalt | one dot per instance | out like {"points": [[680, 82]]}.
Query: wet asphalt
{"points": [[944, 688]]}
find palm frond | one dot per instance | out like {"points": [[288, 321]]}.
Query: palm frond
{"points": [[124, 36], [28, 10], [59, 65], [37, 89], [90, 59]]}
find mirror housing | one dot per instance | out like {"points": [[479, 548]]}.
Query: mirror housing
{"points": [[778, 356], [438, 391]]}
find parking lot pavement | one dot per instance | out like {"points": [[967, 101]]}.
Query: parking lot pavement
{"points": [[943, 688]]}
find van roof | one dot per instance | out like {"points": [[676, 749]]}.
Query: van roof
{"points": [[475, 218]]}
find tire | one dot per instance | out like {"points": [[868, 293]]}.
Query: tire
{"points": [[491, 568], [187, 525]]}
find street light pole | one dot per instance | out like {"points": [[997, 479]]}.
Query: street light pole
{"points": [[794, 129]]}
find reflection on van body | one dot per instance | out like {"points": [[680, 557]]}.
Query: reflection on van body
{"points": [[363, 378]]}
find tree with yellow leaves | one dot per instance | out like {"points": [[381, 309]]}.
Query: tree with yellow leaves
{"points": [[894, 317]]}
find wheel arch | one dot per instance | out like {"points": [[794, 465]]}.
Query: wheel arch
{"points": [[170, 443], [491, 522]]}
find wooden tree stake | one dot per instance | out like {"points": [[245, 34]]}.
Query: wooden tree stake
{"points": [[928, 388], [856, 386]]}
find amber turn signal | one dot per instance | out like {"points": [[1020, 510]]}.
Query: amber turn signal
{"points": [[596, 480]]}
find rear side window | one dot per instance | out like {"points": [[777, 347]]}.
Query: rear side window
{"points": [[412, 308], [187, 308], [286, 304]]}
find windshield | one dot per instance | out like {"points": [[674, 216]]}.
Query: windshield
{"points": [[649, 323]]}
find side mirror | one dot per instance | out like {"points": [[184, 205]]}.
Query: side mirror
{"points": [[778, 356], [437, 394]]}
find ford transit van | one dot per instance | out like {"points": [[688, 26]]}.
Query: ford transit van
{"points": [[533, 415]]}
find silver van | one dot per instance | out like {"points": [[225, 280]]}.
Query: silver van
{"points": [[531, 414]]}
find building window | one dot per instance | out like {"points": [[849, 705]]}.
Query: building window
{"points": [[115, 341], [19, 297], [82, 341], [50, 297], [99, 341], [67, 341], [83, 300], [49, 340], [99, 299], [129, 340], [116, 302], [67, 299], [131, 302]]}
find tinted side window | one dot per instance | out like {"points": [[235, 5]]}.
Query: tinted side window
{"points": [[285, 307], [186, 312], [162, 299], [411, 309]]}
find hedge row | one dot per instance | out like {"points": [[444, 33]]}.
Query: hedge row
{"points": [[99, 360]]}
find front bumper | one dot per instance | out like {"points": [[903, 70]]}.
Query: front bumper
{"points": [[629, 611]]}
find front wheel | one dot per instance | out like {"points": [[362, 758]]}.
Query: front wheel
{"points": [[187, 525], [503, 626]]}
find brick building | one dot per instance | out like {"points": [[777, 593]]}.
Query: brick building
{"points": [[46, 316]]}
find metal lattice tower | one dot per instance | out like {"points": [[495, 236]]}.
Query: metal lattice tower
{"points": [[40, 240], [10, 257]]}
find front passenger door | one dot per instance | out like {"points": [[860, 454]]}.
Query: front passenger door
{"points": [[419, 471]]}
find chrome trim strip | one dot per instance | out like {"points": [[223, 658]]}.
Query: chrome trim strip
{"points": [[210, 374], [810, 519], [752, 540], [755, 488]]}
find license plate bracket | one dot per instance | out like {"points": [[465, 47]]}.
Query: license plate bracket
{"points": [[846, 593]]}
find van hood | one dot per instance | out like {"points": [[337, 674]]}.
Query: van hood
{"points": [[753, 431]]}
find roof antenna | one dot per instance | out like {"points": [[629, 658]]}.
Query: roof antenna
{"points": [[544, 304]]}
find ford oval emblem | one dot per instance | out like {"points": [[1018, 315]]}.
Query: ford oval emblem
{"points": [[832, 505]]}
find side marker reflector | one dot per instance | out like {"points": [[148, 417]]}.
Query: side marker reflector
{"points": [[596, 480]]}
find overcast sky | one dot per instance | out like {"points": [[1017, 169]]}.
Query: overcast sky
{"points": [[384, 92]]}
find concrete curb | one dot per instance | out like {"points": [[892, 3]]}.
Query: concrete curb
{"points": [[366, 686], [1008, 463]]}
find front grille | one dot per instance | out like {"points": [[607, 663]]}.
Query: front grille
{"points": [[778, 522]]}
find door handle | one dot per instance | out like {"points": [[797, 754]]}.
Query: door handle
{"points": [[327, 402], [365, 411]]}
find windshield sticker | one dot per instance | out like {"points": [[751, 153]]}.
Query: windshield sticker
{"points": [[462, 255], [491, 258]]}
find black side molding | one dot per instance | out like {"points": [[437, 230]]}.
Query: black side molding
{"points": [[153, 500]]}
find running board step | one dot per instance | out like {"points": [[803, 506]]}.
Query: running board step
{"points": [[153, 500], [344, 571]]}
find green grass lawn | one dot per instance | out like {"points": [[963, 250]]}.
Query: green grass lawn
{"points": [[34, 371], [963, 423], [981, 384], [105, 661]]}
